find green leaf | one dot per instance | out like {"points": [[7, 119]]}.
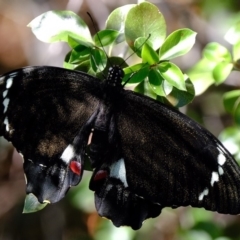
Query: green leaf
{"points": [[134, 68], [167, 87], [149, 55], [145, 20], [66, 63], [105, 37], [140, 75], [177, 43], [236, 51], [156, 82], [98, 60], [55, 26], [172, 74], [221, 71], [231, 100], [216, 52], [32, 205], [116, 21], [84, 66], [201, 75], [179, 98], [79, 54], [73, 42], [230, 137], [233, 34], [145, 89]]}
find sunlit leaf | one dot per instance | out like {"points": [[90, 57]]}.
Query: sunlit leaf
{"points": [[172, 74], [116, 21], [145, 20], [177, 43], [54, 26], [216, 52], [32, 205]]}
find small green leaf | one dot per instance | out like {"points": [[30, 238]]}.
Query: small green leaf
{"points": [[156, 82], [179, 98], [237, 114], [98, 60], [236, 51], [216, 52], [73, 42], [134, 68], [231, 100], [145, 20], [32, 205], [233, 34], [105, 37], [138, 45], [79, 54], [140, 75], [54, 26], [84, 66], [145, 89], [177, 43], [221, 71], [66, 63], [149, 55], [172, 74], [230, 137], [201, 75], [167, 87], [116, 21]]}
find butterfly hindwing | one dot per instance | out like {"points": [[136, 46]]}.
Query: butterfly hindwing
{"points": [[165, 159], [43, 111]]}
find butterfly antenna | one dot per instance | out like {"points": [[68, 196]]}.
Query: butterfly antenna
{"points": [[130, 56], [137, 49], [94, 26]]}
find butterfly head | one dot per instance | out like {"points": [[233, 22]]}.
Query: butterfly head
{"points": [[115, 76]]}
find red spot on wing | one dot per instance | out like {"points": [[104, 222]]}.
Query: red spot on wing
{"points": [[101, 174], [75, 167]]}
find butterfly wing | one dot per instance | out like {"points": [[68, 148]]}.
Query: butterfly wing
{"points": [[43, 109], [166, 160]]}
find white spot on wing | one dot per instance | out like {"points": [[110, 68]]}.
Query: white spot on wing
{"points": [[41, 165], [118, 170], [5, 93], [203, 193], [220, 170], [68, 154], [5, 103], [6, 123], [9, 83], [25, 177], [221, 159], [214, 178]]}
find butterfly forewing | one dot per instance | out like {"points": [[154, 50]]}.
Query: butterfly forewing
{"points": [[172, 160], [42, 112]]}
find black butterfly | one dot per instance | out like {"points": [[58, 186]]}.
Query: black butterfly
{"points": [[145, 155]]}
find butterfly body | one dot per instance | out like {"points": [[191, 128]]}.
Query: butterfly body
{"points": [[145, 155]]}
